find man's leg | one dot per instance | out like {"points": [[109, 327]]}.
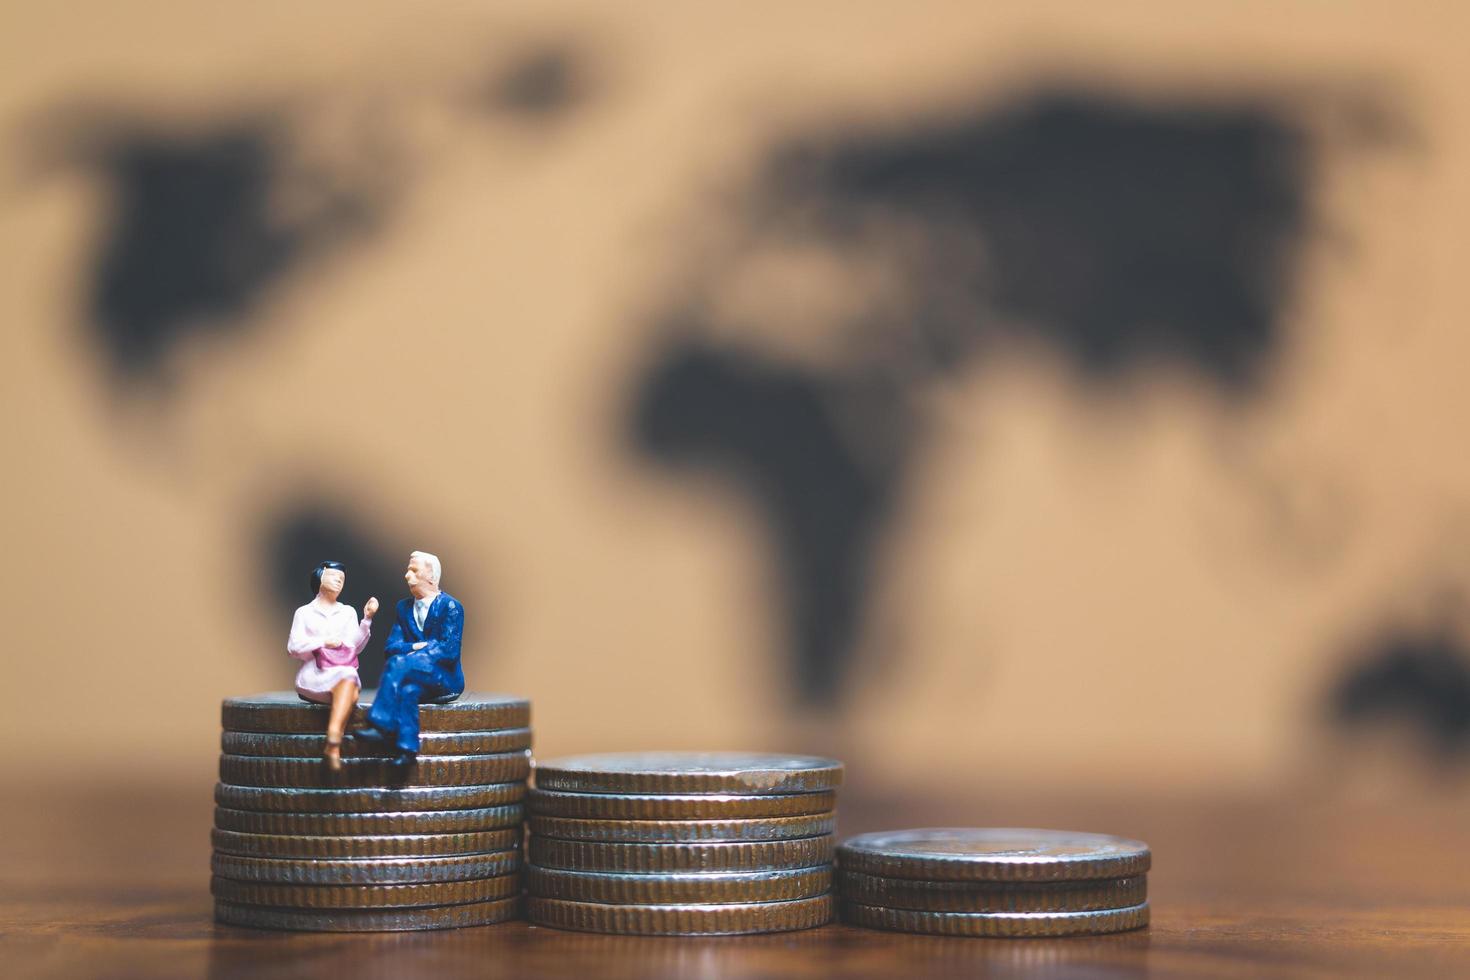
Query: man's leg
{"points": [[386, 707], [417, 679]]}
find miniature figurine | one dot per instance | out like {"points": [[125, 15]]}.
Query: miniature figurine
{"points": [[326, 635], [422, 661]]}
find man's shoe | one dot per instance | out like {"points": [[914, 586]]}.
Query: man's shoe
{"points": [[370, 737], [404, 759]]}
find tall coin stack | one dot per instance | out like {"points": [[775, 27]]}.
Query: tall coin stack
{"points": [[994, 882], [373, 848], [682, 843]]}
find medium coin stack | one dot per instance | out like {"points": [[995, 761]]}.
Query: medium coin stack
{"points": [[375, 847], [682, 843], [993, 882]]}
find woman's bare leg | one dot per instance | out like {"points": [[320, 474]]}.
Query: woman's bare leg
{"points": [[344, 699]]}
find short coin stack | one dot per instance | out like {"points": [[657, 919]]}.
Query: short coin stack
{"points": [[993, 882], [682, 843], [373, 848]]}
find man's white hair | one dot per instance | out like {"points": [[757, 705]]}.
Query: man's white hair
{"points": [[430, 563]]}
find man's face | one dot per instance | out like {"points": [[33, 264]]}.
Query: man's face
{"points": [[417, 576], [332, 581]]}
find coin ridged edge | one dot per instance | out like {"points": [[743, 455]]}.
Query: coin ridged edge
{"points": [[691, 888], [996, 924], [425, 770], [376, 799], [682, 920], [743, 782], [365, 920], [865, 854], [689, 806], [282, 712], [370, 824], [690, 831], [302, 745], [359, 871], [321, 897], [971, 896], [366, 846], [804, 852]]}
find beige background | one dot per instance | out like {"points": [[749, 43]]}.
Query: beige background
{"points": [[1153, 587]]}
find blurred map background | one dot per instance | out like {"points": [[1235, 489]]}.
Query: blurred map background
{"points": [[1045, 392]]}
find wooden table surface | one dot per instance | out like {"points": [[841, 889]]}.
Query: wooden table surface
{"points": [[113, 881]]}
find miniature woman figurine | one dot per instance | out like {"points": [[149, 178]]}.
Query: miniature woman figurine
{"points": [[325, 634]]}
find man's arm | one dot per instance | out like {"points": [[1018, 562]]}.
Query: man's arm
{"points": [[396, 643], [444, 645]]}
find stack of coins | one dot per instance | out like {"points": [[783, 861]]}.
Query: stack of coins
{"points": [[994, 882], [682, 843], [375, 847]]}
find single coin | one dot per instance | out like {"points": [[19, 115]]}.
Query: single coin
{"points": [[366, 920], [380, 799], [655, 831], [691, 888], [993, 854], [979, 896], [577, 855], [362, 871], [431, 743], [732, 773], [707, 806], [398, 845], [426, 770], [365, 896], [997, 924], [284, 711], [681, 920], [370, 824]]}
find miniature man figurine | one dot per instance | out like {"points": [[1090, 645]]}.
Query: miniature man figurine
{"points": [[423, 661]]}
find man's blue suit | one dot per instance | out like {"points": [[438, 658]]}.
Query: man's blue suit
{"points": [[411, 677]]}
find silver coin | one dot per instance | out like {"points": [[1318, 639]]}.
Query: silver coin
{"points": [[996, 924], [425, 770], [692, 888], [682, 920], [733, 773], [367, 799], [321, 897], [430, 743], [369, 920], [993, 854], [1086, 895], [365, 871], [699, 806], [370, 824], [776, 855], [285, 711], [333, 846], [655, 831]]}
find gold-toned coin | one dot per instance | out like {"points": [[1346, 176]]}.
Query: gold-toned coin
{"points": [[576, 855], [430, 743], [367, 799], [728, 773], [682, 920], [993, 854], [401, 845], [369, 920], [656, 831], [997, 924], [369, 824], [365, 896], [365, 871], [690, 888], [426, 770], [286, 712], [978, 896], [704, 806]]}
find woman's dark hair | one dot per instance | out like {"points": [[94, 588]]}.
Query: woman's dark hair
{"points": [[316, 574]]}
